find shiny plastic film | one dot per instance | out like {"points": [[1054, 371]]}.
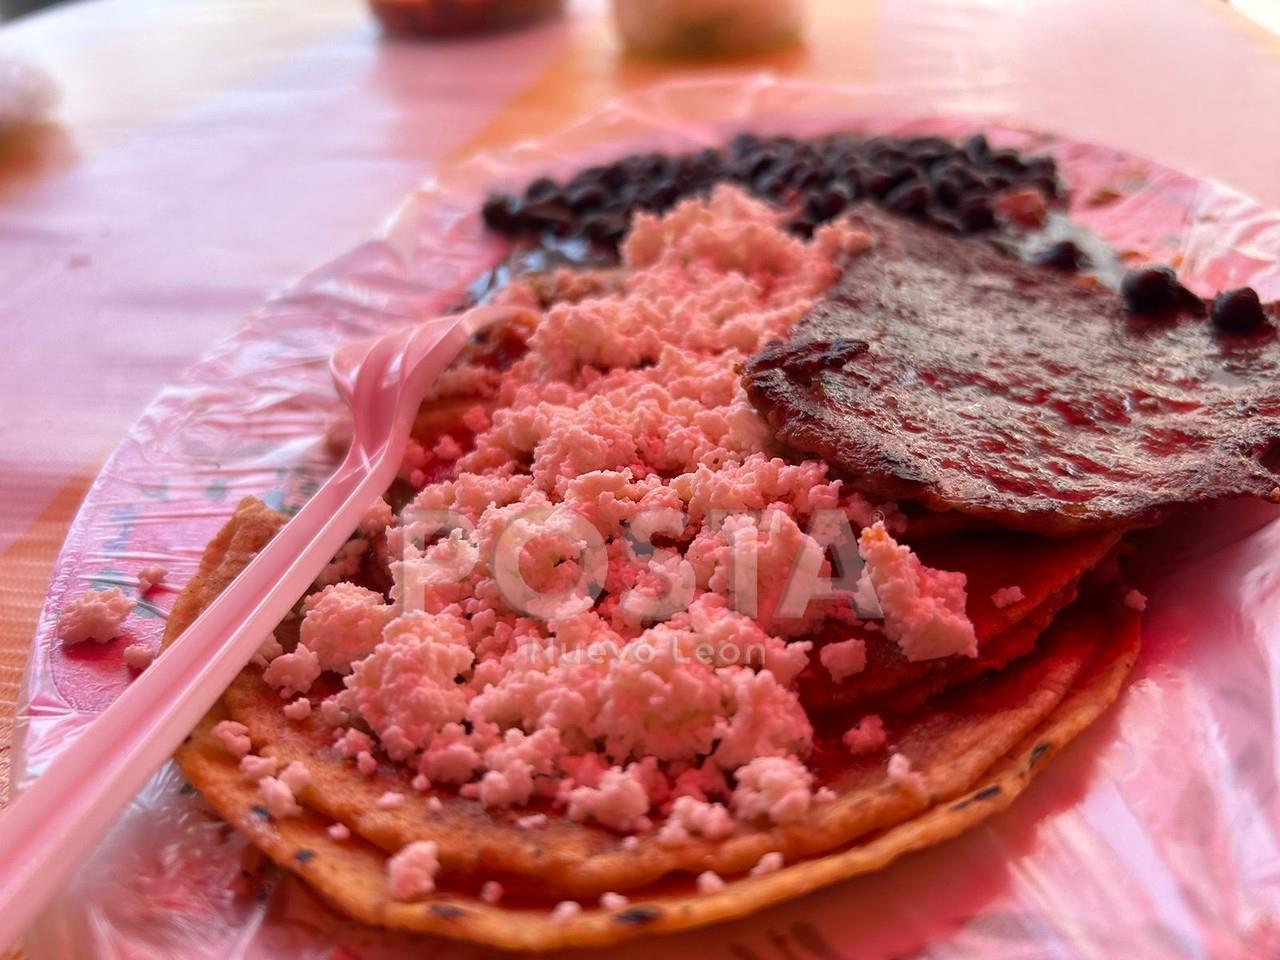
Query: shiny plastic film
{"points": [[1155, 835]]}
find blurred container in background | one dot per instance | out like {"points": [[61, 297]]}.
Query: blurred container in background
{"points": [[707, 28], [461, 17]]}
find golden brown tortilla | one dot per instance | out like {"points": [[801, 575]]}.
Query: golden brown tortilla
{"points": [[977, 748]]}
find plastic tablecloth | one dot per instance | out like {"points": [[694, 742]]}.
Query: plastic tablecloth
{"points": [[237, 144]]}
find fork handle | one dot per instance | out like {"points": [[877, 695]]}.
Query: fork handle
{"points": [[53, 824]]}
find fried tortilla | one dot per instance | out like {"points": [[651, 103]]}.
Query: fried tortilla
{"points": [[993, 732], [976, 755], [942, 371]]}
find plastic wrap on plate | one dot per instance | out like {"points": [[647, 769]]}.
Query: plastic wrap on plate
{"points": [[1157, 834]]}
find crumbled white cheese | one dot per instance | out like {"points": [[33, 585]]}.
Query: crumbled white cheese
{"points": [[770, 863], [565, 911], [1007, 597], [777, 788], [278, 798], [138, 656], [411, 873], [234, 736], [150, 577], [844, 658], [924, 609], [295, 776], [97, 616], [905, 776], [293, 673], [709, 882], [255, 767], [866, 736]]}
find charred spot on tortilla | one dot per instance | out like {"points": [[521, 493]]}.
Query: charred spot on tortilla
{"points": [[304, 856], [446, 910], [942, 371], [637, 916], [986, 793]]}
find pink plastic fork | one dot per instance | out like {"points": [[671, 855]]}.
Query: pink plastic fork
{"points": [[54, 823]]}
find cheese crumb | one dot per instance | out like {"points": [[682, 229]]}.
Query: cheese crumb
{"points": [[234, 736], [902, 774], [339, 831], [709, 882], [532, 821], [390, 801], [150, 577], [292, 673], [342, 624], [1135, 600], [845, 658], [620, 801], [924, 609], [137, 656], [771, 862], [867, 736], [411, 873], [376, 519], [295, 776], [491, 892], [778, 788], [278, 798], [420, 783], [95, 616], [366, 763], [255, 767], [299, 709], [690, 817], [434, 805], [1007, 597], [613, 901], [565, 910]]}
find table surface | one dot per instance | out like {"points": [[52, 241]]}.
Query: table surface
{"points": [[208, 151]]}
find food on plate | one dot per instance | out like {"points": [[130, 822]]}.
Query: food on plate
{"points": [[624, 650], [954, 186], [96, 615], [1066, 411]]}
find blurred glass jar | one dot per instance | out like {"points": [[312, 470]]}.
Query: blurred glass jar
{"points": [[460, 17], [707, 28]]}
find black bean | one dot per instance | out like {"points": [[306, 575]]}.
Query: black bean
{"points": [[825, 204], [976, 212], [1151, 290], [544, 188], [659, 196], [771, 185], [1063, 255], [802, 227], [910, 197], [997, 181], [976, 147], [743, 144], [589, 196], [497, 211], [547, 213], [1238, 311], [1006, 161]]}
